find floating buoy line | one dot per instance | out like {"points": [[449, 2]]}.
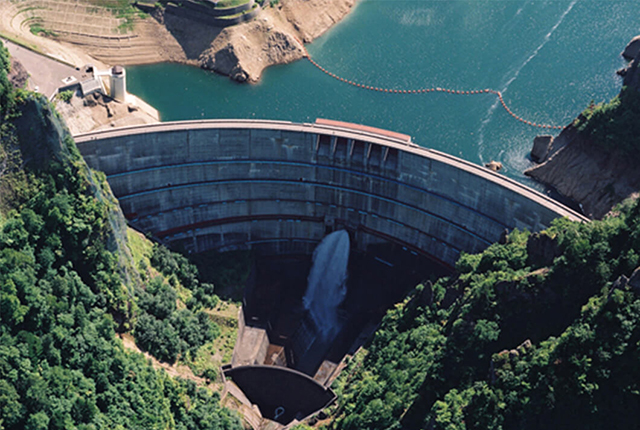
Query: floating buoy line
{"points": [[430, 90]]}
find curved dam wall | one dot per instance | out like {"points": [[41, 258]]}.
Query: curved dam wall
{"points": [[279, 187]]}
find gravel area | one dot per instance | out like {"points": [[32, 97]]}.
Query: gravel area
{"points": [[45, 74]]}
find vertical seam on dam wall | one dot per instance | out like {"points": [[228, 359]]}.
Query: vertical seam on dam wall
{"points": [[320, 166]]}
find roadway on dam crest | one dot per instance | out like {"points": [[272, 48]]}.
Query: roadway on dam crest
{"points": [[279, 187]]}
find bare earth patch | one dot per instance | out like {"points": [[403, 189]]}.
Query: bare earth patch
{"points": [[97, 112], [175, 370]]}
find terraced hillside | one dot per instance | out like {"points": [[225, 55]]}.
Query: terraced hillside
{"points": [[112, 31], [234, 38]]}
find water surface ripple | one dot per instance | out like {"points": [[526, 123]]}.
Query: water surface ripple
{"points": [[550, 58]]}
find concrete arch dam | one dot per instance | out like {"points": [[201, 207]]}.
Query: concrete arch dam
{"points": [[279, 187]]}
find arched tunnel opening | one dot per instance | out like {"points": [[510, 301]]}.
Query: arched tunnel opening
{"points": [[276, 189]]}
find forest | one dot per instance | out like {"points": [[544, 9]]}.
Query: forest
{"points": [[540, 332], [614, 125], [68, 285]]}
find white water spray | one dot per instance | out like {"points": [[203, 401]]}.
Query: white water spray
{"points": [[326, 286]]}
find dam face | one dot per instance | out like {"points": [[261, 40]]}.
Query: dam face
{"points": [[279, 187]]}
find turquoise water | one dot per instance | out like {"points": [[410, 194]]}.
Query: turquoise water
{"points": [[549, 58]]}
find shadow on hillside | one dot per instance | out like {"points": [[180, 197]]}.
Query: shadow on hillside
{"points": [[193, 36]]}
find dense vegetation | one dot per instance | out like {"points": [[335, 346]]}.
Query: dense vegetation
{"points": [[227, 271], [65, 288], [163, 329], [7, 94], [615, 124], [539, 333]]}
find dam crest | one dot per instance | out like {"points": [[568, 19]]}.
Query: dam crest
{"points": [[279, 187]]}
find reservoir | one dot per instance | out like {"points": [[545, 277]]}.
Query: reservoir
{"points": [[549, 59]]}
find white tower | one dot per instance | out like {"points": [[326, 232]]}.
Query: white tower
{"points": [[118, 83]]}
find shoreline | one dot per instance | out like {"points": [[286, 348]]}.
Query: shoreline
{"points": [[583, 163], [241, 51]]}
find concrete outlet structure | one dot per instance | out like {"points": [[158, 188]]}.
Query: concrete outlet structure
{"points": [[279, 187]]}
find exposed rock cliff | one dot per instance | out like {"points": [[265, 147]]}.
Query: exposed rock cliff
{"points": [[632, 49], [583, 171], [632, 73], [597, 166], [242, 52], [44, 137]]}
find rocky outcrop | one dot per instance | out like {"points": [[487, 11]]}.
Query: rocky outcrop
{"points": [[583, 170], [634, 280], [587, 174], [18, 75], [493, 165], [224, 60], [632, 49], [541, 147], [542, 249], [622, 282], [632, 73], [243, 52]]}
